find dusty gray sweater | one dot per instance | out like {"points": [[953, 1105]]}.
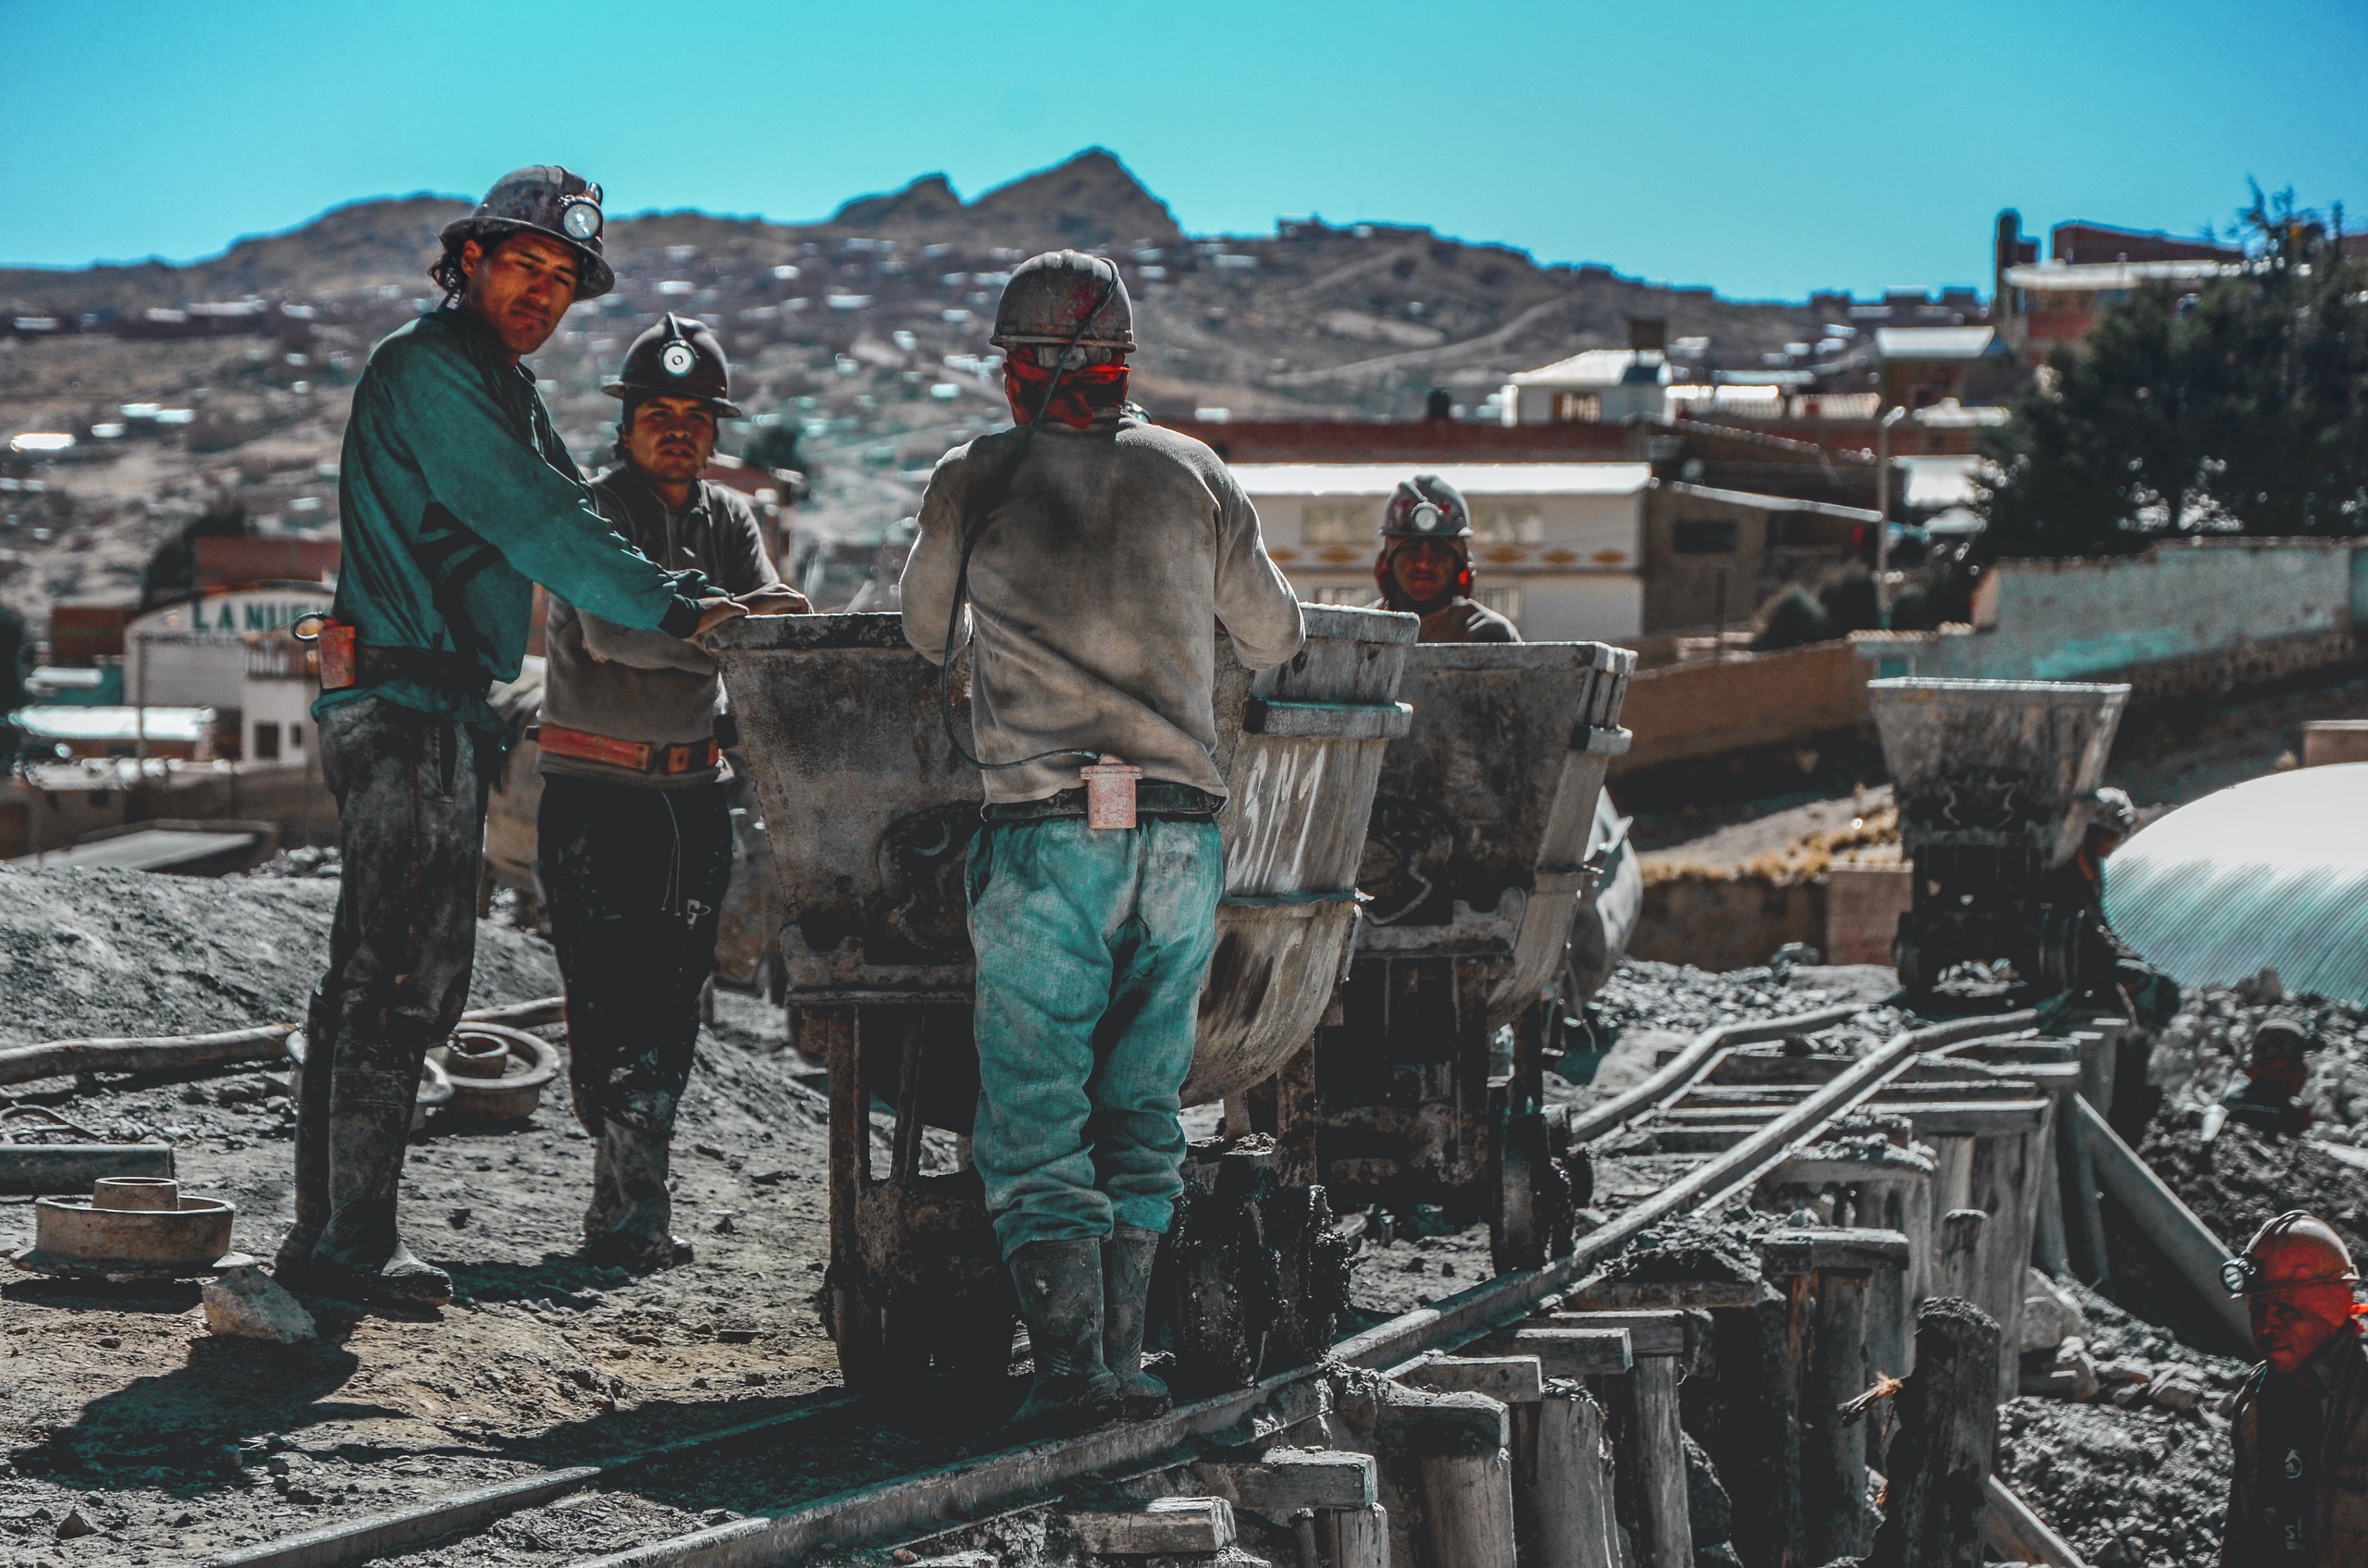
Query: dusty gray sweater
{"points": [[633, 685], [1096, 591]]}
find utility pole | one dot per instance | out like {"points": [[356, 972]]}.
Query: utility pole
{"points": [[1882, 504]]}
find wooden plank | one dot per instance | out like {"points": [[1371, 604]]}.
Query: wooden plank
{"points": [[1665, 1537], [2016, 1532], [1168, 1524], [1968, 1118], [1939, 1464], [1508, 1379], [1804, 1252], [1354, 1537], [1956, 1254], [1651, 1295], [1833, 1451], [1650, 1333], [1569, 1501], [1576, 1353], [1285, 1481], [1899, 1166]]}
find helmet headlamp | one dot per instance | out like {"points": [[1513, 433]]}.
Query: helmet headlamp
{"points": [[579, 218], [2242, 1276], [678, 358]]}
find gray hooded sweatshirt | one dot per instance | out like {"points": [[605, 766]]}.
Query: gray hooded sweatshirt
{"points": [[1096, 591]]}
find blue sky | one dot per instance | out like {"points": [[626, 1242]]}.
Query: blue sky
{"points": [[1764, 148]]}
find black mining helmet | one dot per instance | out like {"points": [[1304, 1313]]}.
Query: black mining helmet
{"points": [[543, 199], [677, 358]]}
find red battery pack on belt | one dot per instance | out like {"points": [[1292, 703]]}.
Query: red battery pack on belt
{"points": [[333, 649], [1110, 792]]}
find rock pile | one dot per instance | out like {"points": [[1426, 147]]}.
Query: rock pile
{"points": [[2121, 1438]]}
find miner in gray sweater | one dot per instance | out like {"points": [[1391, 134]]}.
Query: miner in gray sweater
{"points": [[1090, 560], [636, 833]]}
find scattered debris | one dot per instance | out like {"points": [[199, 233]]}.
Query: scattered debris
{"points": [[249, 1304]]}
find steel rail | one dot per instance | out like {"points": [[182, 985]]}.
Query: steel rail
{"points": [[913, 1506], [1679, 1070]]}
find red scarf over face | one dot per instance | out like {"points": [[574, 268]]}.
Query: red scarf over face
{"points": [[1085, 390]]}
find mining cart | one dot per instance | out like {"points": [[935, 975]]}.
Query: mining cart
{"points": [[1475, 865], [869, 813], [1993, 780]]}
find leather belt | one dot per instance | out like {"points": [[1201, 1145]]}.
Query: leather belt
{"points": [[1154, 798], [634, 756]]}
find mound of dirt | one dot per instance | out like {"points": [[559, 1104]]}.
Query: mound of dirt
{"points": [[2140, 1487], [127, 953]]}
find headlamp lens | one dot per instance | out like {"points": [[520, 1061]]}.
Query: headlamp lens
{"points": [[1426, 518], [580, 218], [2241, 1275], [678, 359]]}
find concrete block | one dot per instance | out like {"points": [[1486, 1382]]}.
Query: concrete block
{"points": [[2335, 740], [1862, 909]]}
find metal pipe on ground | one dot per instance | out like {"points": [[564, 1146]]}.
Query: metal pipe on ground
{"points": [[37, 1170], [2173, 1227], [175, 1053]]}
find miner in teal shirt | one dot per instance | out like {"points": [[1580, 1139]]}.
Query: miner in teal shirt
{"points": [[457, 497]]}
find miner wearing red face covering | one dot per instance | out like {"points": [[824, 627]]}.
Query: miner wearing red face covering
{"points": [[2298, 1495], [1425, 563]]}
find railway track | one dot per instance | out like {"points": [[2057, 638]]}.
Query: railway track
{"points": [[1710, 1129]]}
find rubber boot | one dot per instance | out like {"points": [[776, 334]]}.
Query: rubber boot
{"points": [[627, 1223], [1126, 1259], [1059, 1284], [361, 1255], [311, 1151]]}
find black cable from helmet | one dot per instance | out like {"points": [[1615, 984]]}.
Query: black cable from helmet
{"points": [[984, 502]]}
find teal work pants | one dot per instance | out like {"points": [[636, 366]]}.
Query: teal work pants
{"points": [[1092, 946]]}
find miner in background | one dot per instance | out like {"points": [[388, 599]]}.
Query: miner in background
{"points": [[1425, 563], [2268, 1096], [2297, 1493], [1087, 556], [457, 497], [635, 839]]}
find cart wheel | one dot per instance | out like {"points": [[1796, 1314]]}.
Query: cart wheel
{"points": [[855, 1325], [1531, 1220], [1217, 1283], [1312, 1265]]}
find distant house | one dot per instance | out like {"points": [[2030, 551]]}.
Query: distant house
{"points": [[2040, 304], [1597, 551]]}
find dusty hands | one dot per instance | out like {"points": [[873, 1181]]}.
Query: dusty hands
{"points": [[777, 599], [714, 613]]}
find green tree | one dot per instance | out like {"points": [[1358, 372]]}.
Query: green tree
{"points": [[2244, 404]]}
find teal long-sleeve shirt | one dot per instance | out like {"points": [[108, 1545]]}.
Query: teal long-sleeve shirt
{"points": [[457, 497]]}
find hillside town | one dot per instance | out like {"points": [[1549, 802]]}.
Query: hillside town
{"points": [[1776, 977]]}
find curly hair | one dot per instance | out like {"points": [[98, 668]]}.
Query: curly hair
{"points": [[446, 271]]}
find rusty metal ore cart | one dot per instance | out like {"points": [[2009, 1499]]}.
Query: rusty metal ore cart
{"points": [[1993, 780], [1476, 861], [869, 814]]}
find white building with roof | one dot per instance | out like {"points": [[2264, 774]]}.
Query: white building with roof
{"points": [[1557, 548], [1600, 384]]}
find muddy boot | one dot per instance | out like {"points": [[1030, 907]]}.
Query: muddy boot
{"points": [[1127, 1260], [312, 1143], [1059, 1284], [627, 1225], [341, 1265]]}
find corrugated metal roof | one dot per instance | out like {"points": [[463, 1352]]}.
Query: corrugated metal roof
{"points": [[61, 721], [1472, 478], [1934, 342], [2270, 874]]}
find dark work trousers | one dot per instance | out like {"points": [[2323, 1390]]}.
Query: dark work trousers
{"points": [[411, 795], [634, 879]]}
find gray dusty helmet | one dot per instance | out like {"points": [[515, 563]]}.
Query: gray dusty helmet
{"points": [[677, 358], [547, 200], [1426, 507], [1049, 295]]}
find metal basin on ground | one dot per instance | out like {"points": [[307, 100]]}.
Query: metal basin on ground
{"points": [[869, 814], [1996, 762], [497, 1073], [131, 1228]]}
